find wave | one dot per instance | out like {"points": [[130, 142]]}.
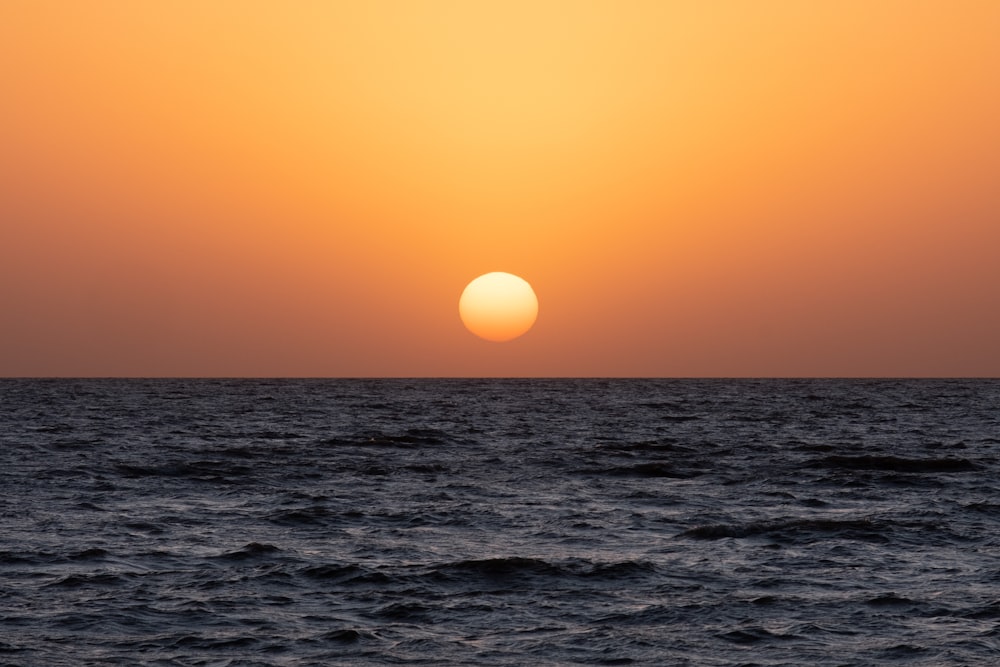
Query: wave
{"points": [[190, 642], [203, 471], [303, 516], [894, 464], [345, 636], [890, 600], [47, 558], [989, 612], [809, 529], [250, 551], [516, 566], [410, 439], [88, 580], [652, 469], [647, 446], [346, 574], [500, 567], [753, 635]]}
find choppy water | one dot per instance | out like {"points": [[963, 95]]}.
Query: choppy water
{"points": [[499, 522]]}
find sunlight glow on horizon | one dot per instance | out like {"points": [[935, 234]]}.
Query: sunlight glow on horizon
{"points": [[242, 188]]}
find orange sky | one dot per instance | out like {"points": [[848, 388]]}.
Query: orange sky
{"points": [[241, 188]]}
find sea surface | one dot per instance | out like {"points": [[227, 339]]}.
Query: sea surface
{"points": [[499, 522]]}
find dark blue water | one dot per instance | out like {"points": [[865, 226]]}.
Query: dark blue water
{"points": [[499, 522]]}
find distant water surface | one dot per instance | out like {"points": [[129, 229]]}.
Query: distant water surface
{"points": [[499, 522]]}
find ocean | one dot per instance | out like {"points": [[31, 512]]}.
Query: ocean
{"points": [[499, 522]]}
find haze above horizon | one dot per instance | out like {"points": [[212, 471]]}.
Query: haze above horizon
{"points": [[692, 189]]}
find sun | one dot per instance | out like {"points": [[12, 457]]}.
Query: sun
{"points": [[498, 306]]}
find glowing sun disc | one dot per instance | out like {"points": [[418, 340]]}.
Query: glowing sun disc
{"points": [[498, 306]]}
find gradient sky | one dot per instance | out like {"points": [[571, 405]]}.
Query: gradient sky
{"points": [[240, 188]]}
